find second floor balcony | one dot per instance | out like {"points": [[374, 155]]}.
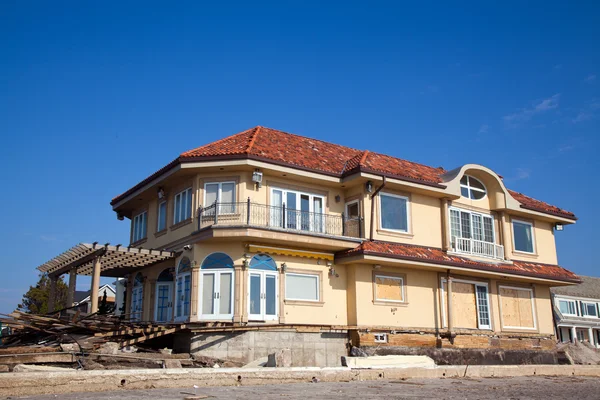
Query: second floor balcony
{"points": [[479, 248], [278, 218]]}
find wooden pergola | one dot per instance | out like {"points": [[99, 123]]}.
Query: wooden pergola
{"points": [[97, 260]]}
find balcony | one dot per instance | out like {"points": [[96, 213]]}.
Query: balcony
{"points": [[279, 218], [477, 248]]}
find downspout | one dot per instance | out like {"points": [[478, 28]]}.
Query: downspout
{"points": [[373, 206]]}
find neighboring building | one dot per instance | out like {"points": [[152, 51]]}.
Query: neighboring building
{"points": [[577, 311], [278, 230], [83, 300]]}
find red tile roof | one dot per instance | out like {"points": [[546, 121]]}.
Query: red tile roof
{"points": [[435, 255], [288, 149]]}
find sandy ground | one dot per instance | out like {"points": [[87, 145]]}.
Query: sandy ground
{"points": [[546, 388]]}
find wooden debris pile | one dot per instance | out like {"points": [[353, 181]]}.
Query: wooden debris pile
{"points": [[89, 332]]}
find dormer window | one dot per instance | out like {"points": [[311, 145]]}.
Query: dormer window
{"points": [[472, 188]]}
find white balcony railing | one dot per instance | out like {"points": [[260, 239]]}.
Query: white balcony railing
{"points": [[477, 248]]}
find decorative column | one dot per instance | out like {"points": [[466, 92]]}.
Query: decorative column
{"points": [[573, 334], [281, 296], [449, 300], [237, 294], [72, 287], [95, 284], [195, 294], [445, 225], [147, 298], [244, 292], [128, 294], [52, 294], [506, 232], [152, 305], [591, 336]]}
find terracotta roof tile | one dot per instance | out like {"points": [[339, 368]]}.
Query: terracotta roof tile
{"points": [[438, 256], [538, 205], [316, 155]]}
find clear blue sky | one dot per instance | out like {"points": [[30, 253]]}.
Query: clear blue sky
{"points": [[96, 96]]}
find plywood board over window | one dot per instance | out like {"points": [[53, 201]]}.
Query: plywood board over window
{"points": [[465, 305], [518, 310], [389, 288]]}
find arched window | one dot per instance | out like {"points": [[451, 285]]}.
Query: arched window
{"points": [[217, 261], [472, 188], [138, 280], [264, 262], [184, 265], [165, 276]]}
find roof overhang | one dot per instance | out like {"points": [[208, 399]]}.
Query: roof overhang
{"points": [[82, 256]]}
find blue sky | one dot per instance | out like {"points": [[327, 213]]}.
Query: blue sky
{"points": [[96, 96]]}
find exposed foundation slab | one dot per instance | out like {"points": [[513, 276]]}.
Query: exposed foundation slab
{"points": [[15, 384]]}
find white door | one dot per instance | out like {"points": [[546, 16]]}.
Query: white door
{"points": [[164, 302], [263, 298], [183, 297], [217, 295], [137, 295], [303, 211]]}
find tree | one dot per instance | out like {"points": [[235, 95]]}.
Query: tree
{"points": [[35, 301]]}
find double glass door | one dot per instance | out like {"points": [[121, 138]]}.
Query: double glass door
{"points": [[137, 296], [183, 296], [217, 294], [262, 296], [164, 302], [303, 211]]}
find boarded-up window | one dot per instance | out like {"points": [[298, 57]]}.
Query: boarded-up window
{"points": [[464, 305], [389, 288], [517, 307]]}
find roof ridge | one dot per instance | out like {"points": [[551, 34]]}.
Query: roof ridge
{"points": [[364, 157], [254, 135], [217, 141], [311, 138]]}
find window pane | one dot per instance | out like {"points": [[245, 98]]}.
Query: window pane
{"points": [[465, 224], [255, 294], [177, 209], [227, 193], [476, 194], [208, 290], [162, 216], [188, 209], [388, 288], [463, 180], [523, 238], [464, 192], [302, 287], [488, 229], [270, 295], [474, 183], [352, 210], [483, 307], [590, 309], [210, 195], [394, 213], [477, 227], [455, 223], [225, 294]]}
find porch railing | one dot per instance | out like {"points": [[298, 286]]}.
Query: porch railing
{"points": [[477, 247], [261, 215]]}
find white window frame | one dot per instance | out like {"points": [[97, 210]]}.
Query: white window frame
{"points": [[408, 209], [380, 337], [402, 288], [349, 204], [480, 326], [533, 314], [317, 276], [183, 195], [219, 195], [471, 213], [568, 301], [135, 235], [158, 214], [584, 309], [298, 212], [533, 247], [469, 188]]}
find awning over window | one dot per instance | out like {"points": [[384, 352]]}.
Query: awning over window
{"points": [[115, 260]]}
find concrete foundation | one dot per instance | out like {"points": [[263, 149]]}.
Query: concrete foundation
{"points": [[308, 349]]}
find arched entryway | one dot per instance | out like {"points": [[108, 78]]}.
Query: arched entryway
{"points": [[217, 276], [137, 298], [263, 296], [183, 289], [163, 309]]}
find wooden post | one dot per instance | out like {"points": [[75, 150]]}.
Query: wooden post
{"points": [[128, 294], [52, 294], [95, 284], [449, 300], [72, 287]]}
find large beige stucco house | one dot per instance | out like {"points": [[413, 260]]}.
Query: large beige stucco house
{"points": [[266, 239]]}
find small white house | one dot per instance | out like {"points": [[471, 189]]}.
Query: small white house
{"points": [[83, 300], [577, 311]]}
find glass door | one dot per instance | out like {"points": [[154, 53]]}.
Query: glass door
{"points": [[164, 303], [303, 211], [183, 296], [262, 296], [217, 295], [137, 295]]}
